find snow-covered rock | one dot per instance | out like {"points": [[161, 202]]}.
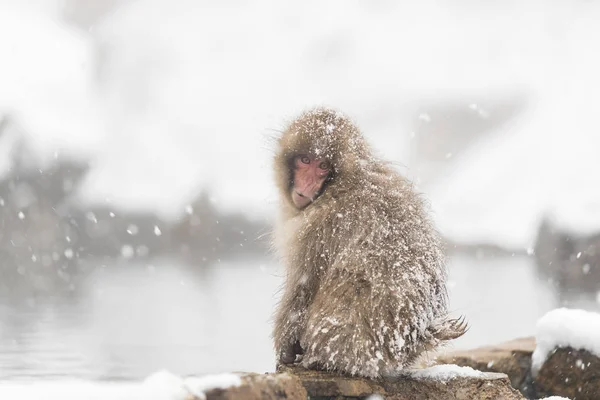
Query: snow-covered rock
{"points": [[512, 358], [439, 382], [566, 361], [569, 372], [563, 327]]}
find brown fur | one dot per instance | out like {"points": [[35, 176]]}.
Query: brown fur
{"points": [[365, 290]]}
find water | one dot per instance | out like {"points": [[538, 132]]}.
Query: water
{"points": [[501, 298], [134, 320], [129, 321]]}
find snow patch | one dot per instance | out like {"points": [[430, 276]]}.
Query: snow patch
{"points": [[197, 386], [565, 327], [162, 385], [446, 372], [555, 398]]}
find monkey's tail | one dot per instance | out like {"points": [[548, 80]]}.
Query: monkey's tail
{"points": [[448, 329]]}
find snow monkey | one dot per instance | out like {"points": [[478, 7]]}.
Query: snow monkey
{"points": [[365, 288]]}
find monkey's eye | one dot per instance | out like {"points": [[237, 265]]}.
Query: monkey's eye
{"points": [[305, 160], [324, 165]]}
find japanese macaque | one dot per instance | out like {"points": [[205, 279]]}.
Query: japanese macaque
{"points": [[365, 288]]}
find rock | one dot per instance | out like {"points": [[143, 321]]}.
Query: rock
{"points": [[570, 373], [259, 387], [295, 383], [324, 385], [512, 358]]}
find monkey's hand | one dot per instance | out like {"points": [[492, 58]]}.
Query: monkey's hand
{"points": [[290, 353]]}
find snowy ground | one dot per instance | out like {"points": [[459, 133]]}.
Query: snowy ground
{"points": [[161, 385]]}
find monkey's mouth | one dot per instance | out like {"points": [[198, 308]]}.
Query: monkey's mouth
{"points": [[300, 200]]}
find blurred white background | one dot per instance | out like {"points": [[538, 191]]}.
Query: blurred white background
{"points": [[135, 151]]}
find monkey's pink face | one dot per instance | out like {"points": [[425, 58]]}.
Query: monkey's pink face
{"points": [[309, 175]]}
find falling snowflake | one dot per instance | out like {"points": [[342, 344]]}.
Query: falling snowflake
{"points": [[127, 251], [69, 253]]}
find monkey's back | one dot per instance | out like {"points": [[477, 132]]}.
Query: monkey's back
{"points": [[380, 291]]}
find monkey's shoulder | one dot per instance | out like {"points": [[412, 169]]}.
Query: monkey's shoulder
{"points": [[381, 207]]}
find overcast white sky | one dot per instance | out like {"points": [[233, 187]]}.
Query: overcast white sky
{"points": [[169, 97]]}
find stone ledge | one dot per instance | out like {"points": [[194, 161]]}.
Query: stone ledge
{"points": [[296, 383], [324, 385], [258, 387], [512, 358]]}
